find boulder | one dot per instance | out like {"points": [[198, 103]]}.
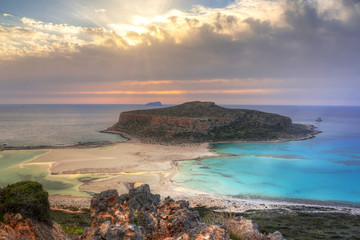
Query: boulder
{"points": [[140, 215], [15, 227]]}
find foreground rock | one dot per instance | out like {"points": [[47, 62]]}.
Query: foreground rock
{"points": [[207, 122], [15, 227], [26, 210], [141, 215]]}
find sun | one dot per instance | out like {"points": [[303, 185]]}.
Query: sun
{"points": [[123, 17]]}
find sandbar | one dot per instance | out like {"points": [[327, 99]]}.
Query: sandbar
{"points": [[128, 164]]}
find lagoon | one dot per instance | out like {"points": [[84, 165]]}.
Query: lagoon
{"points": [[325, 168]]}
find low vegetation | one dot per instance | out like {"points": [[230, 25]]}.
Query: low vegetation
{"points": [[209, 216], [300, 224], [196, 122], [294, 223], [27, 198], [30, 199], [72, 222]]}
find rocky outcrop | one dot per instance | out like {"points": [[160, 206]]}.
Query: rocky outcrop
{"points": [[141, 215], [154, 104], [249, 230], [204, 122], [15, 227], [26, 210]]}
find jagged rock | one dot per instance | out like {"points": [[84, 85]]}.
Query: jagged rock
{"points": [[211, 232], [275, 236], [15, 227], [137, 215], [140, 215], [141, 199], [245, 228], [318, 119], [249, 230]]}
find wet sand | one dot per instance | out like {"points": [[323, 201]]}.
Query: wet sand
{"points": [[127, 164], [131, 164]]}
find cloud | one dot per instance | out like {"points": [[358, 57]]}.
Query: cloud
{"points": [[283, 45], [50, 27], [100, 10], [7, 15], [174, 92]]}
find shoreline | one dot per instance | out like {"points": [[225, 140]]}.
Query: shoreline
{"points": [[167, 186], [239, 204], [302, 137], [223, 203], [79, 145], [132, 139], [150, 157]]}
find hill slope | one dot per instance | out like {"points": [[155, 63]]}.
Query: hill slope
{"points": [[207, 122]]}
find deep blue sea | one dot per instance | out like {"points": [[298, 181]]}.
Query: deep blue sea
{"points": [[323, 168]]}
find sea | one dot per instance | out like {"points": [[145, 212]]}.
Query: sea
{"points": [[324, 168]]}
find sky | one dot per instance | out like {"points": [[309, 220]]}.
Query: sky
{"points": [[260, 52]]}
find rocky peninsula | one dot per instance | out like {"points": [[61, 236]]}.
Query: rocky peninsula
{"points": [[196, 122]]}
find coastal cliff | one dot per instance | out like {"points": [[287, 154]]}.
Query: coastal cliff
{"points": [[207, 122]]}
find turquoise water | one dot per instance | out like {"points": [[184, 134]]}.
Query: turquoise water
{"points": [[324, 168], [25, 125]]}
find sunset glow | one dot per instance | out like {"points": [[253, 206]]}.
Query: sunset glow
{"points": [[242, 51]]}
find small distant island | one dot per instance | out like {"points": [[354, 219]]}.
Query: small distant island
{"points": [[196, 122], [154, 104]]}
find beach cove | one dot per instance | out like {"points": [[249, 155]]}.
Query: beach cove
{"points": [[80, 172], [72, 173]]}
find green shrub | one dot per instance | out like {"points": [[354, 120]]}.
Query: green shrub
{"points": [[71, 222], [27, 198], [79, 231]]}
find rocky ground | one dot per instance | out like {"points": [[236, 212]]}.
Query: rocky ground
{"points": [[15, 227], [141, 215], [137, 215]]}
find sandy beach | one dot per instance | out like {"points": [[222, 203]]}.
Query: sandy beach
{"points": [[130, 164]]}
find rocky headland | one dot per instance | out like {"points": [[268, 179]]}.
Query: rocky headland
{"points": [[195, 122]]}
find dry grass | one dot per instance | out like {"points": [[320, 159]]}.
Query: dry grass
{"points": [[236, 231], [221, 217]]}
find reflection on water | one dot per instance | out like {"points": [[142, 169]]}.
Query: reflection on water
{"points": [[15, 167]]}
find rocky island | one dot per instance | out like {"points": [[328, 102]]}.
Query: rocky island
{"points": [[154, 104], [197, 122]]}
